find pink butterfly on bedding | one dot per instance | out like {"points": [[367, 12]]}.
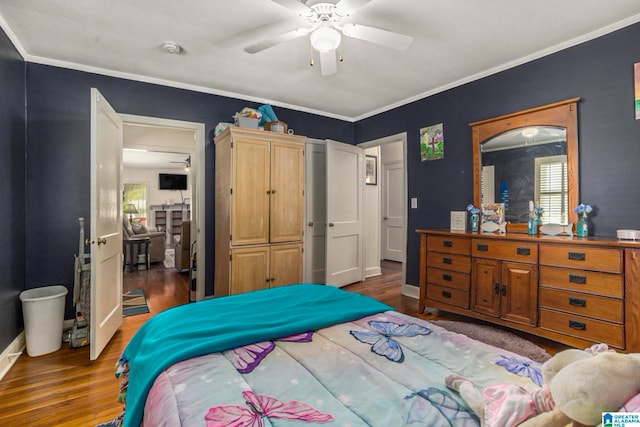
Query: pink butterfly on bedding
{"points": [[260, 406], [246, 358]]}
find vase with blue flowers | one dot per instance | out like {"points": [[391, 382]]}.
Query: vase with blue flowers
{"points": [[582, 226], [535, 217], [474, 218]]}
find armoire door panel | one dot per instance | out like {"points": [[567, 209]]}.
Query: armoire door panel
{"points": [[249, 197], [287, 186]]}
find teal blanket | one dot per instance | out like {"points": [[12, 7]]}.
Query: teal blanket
{"points": [[220, 324]]}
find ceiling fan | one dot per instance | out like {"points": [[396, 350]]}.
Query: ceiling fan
{"points": [[326, 23], [186, 162]]}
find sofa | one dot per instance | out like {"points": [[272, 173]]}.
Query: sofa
{"points": [[135, 229]]}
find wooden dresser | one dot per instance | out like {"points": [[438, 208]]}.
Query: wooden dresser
{"points": [[577, 291]]}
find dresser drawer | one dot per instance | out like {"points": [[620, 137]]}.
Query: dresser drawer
{"points": [[606, 284], [602, 308], [507, 251], [586, 258], [450, 279], [449, 244], [582, 327], [461, 263], [448, 295]]}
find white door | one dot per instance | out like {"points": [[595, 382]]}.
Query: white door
{"points": [[106, 223], [393, 211], [315, 211], [345, 199]]}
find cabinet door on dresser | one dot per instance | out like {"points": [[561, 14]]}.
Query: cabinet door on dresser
{"points": [[519, 293], [501, 286]]}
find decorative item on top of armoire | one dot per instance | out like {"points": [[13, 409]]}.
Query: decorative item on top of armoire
{"points": [[582, 225], [535, 217]]}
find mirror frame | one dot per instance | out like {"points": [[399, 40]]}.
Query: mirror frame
{"points": [[561, 114]]}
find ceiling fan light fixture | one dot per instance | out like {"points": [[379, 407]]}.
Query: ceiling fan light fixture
{"points": [[325, 39]]}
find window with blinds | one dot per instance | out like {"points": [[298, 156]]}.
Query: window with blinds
{"points": [[551, 192], [136, 193]]}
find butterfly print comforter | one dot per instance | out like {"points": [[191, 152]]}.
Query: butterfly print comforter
{"points": [[385, 369]]}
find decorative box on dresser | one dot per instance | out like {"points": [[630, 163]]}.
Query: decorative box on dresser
{"points": [[577, 291], [259, 185]]}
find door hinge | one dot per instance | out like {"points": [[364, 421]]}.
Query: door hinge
{"points": [[230, 257], [230, 236], [231, 191], [232, 145]]}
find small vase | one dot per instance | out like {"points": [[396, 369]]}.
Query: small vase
{"points": [[533, 226], [473, 222], [582, 227]]}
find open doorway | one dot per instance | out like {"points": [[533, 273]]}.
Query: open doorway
{"points": [[388, 198], [166, 158]]}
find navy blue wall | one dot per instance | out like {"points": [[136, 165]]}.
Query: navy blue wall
{"points": [[12, 189], [57, 148], [600, 72], [58, 155]]}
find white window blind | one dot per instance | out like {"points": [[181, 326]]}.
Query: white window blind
{"points": [[551, 188]]}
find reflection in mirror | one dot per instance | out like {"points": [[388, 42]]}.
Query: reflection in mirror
{"points": [[526, 164]]}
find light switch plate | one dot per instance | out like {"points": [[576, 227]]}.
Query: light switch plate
{"points": [[414, 203]]}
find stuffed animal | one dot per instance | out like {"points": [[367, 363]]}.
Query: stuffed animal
{"points": [[579, 385]]}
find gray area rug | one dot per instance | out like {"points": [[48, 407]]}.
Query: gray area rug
{"points": [[497, 338]]}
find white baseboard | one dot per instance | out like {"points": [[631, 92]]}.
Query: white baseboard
{"points": [[410, 291], [11, 354], [373, 271]]}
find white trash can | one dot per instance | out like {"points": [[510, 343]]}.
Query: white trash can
{"points": [[43, 313]]}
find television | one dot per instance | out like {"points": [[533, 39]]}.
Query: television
{"points": [[171, 181]]}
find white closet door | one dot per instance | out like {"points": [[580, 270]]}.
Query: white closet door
{"points": [[345, 200]]}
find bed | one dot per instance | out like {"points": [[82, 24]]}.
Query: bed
{"points": [[303, 355]]}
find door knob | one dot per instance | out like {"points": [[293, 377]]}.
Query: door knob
{"points": [[101, 241], [310, 224], [385, 218], [331, 224]]}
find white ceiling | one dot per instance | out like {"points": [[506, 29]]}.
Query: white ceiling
{"points": [[455, 41]]}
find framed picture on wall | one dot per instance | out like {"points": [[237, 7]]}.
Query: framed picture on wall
{"points": [[371, 170]]}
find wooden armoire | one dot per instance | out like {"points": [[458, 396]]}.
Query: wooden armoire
{"points": [[259, 210]]}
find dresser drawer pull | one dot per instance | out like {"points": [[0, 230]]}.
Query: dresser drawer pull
{"points": [[574, 278], [447, 277], [447, 260], [576, 256], [577, 325], [482, 247], [523, 251], [577, 302], [447, 243], [446, 294]]}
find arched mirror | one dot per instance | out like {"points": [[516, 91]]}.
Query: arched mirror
{"points": [[528, 155]]}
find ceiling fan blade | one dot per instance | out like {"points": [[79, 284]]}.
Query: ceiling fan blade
{"points": [[328, 63], [347, 7], [378, 36], [248, 36], [295, 6], [266, 44]]}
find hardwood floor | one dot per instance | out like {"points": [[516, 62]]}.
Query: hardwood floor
{"points": [[64, 388]]}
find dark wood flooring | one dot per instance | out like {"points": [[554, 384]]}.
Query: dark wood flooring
{"points": [[64, 388]]}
